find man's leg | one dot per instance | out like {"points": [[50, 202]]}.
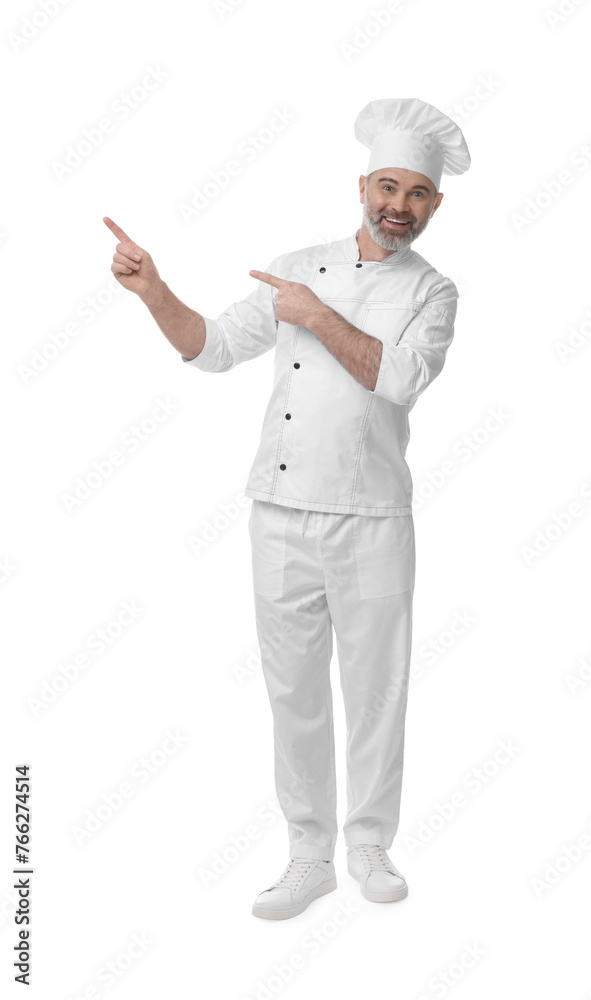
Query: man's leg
{"points": [[372, 560], [295, 638]]}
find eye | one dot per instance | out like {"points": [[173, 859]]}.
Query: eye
{"points": [[388, 187]]}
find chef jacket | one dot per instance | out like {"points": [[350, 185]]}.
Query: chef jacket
{"points": [[328, 443]]}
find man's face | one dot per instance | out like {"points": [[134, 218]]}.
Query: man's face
{"points": [[399, 194]]}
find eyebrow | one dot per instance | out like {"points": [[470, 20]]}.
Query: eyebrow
{"points": [[393, 180]]}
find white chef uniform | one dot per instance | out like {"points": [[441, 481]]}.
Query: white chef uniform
{"points": [[331, 522]]}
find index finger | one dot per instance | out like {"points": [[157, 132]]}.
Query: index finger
{"points": [[269, 278], [118, 231]]}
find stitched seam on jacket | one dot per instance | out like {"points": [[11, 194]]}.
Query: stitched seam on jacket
{"points": [[288, 385], [285, 402], [357, 462], [402, 506], [414, 381], [379, 303], [414, 356]]}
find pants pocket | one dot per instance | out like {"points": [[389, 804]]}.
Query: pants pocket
{"points": [[267, 525], [384, 555]]}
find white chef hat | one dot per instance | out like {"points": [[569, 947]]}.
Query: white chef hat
{"points": [[407, 132]]}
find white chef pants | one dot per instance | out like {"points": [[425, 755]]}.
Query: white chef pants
{"points": [[313, 571]]}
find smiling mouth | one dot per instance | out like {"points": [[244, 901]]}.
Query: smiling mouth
{"points": [[395, 225]]}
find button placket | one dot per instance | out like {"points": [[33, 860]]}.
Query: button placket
{"points": [[297, 365]]}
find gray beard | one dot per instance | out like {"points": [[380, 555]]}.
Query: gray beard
{"points": [[390, 240]]}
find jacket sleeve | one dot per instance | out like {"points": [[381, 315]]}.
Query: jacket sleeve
{"points": [[408, 366], [243, 331]]}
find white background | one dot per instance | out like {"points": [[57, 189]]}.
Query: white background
{"points": [[489, 873]]}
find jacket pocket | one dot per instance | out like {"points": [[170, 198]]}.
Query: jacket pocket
{"points": [[384, 555], [387, 321]]}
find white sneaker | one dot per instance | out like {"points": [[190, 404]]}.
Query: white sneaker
{"points": [[303, 880], [380, 880]]}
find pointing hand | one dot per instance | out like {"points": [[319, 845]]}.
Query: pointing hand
{"points": [[133, 266], [295, 303]]}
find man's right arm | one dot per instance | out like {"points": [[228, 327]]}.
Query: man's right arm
{"points": [[182, 326], [135, 270], [245, 330]]}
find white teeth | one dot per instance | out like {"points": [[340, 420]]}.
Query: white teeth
{"points": [[399, 221]]}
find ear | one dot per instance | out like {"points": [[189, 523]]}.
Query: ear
{"points": [[438, 201], [362, 188]]}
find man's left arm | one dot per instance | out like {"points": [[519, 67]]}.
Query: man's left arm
{"points": [[358, 352], [398, 371]]}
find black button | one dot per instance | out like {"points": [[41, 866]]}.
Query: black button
{"points": [[283, 466], [322, 270], [297, 364], [359, 265], [288, 416]]}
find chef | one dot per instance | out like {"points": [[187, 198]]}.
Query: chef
{"points": [[360, 328]]}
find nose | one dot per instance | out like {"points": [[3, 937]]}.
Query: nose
{"points": [[398, 208]]}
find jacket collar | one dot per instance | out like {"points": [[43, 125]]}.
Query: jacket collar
{"points": [[397, 257]]}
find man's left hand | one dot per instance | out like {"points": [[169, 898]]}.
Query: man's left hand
{"points": [[294, 303]]}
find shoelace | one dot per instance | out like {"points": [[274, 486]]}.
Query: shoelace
{"points": [[294, 872], [375, 858]]}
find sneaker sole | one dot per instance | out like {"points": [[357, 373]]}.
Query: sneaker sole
{"points": [[381, 897], [292, 911]]}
